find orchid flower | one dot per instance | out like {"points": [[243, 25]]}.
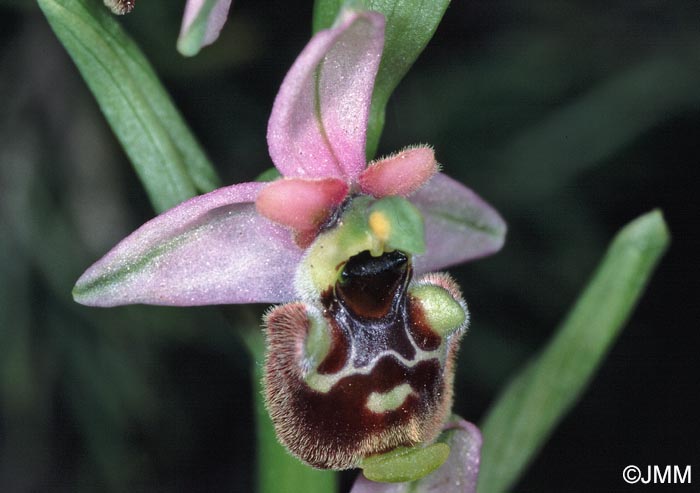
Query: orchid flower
{"points": [[360, 357]]}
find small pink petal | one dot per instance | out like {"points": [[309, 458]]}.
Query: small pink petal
{"points": [[458, 475], [301, 204], [212, 249], [318, 125], [400, 174], [214, 22], [459, 225]]}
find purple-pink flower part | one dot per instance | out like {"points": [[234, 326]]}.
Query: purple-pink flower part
{"points": [[219, 249], [214, 19], [318, 125]]}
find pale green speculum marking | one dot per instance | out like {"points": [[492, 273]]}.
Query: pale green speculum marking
{"points": [[388, 401], [325, 382]]}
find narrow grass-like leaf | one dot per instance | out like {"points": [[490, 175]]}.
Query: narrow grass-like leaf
{"points": [[278, 470], [410, 24], [533, 403], [165, 154]]}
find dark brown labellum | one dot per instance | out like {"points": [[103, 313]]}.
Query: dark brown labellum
{"points": [[361, 372]]}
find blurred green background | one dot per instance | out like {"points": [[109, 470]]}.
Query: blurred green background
{"points": [[571, 117]]}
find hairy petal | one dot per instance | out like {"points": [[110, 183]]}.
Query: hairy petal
{"points": [[299, 203], [459, 474], [211, 249], [201, 24], [318, 125], [459, 225], [400, 174]]}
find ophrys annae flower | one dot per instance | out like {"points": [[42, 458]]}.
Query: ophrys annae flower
{"points": [[361, 352]]}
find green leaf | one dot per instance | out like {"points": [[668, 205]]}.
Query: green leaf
{"points": [[410, 24], [278, 470], [534, 402], [165, 154]]}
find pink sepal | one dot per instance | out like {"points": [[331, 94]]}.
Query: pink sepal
{"points": [[318, 125], [459, 225], [212, 249]]}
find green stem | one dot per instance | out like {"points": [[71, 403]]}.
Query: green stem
{"points": [[277, 470]]}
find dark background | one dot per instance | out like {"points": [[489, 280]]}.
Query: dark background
{"points": [[570, 117]]}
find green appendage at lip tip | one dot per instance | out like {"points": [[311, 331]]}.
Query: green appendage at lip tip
{"points": [[405, 464]]}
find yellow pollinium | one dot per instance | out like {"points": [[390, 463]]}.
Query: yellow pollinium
{"points": [[380, 225]]}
